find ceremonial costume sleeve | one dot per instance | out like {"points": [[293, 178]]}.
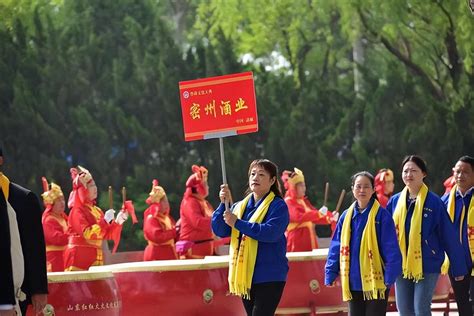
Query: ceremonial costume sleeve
{"points": [[273, 226], [54, 233], [90, 230], [193, 210], [154, 231], [299, 215]]}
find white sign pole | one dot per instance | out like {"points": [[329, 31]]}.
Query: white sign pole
{"points": [[224, 176]]}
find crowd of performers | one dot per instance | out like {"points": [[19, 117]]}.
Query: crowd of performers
{"points": [[74, 242], [380, 240]]}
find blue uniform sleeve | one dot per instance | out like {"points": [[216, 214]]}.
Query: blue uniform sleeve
{"points": [[219, 227], [332, 263], [273, 226], [389, 249], [452, 246], [391, 206]]}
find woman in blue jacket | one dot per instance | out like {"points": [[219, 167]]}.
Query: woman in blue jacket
{"points": [[258, 265], [424, 235], [364, 251]]}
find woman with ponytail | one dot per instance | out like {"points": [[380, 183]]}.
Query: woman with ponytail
{"points": [[258, 265], [424, 233], [364, 251]]}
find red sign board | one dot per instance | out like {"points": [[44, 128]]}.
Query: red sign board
{"points": [[218, 106]]}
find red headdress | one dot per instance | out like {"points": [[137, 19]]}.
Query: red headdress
{"points": [[50, 195], [156, 194], [198, 181], [290, 179], [382, 176], [449, 184], [79, 194]]}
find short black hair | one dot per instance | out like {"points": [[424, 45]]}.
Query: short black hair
{"points": [[466, 159], [1, 152]]}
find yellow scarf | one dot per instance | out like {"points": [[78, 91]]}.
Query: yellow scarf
{"points": [[5, 185], [412, 261], [242, 258], [470, 225], [371, 265]]}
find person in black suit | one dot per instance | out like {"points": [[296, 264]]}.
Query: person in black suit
{"points": [[21, 241]]}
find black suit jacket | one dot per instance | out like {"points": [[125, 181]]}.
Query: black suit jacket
{"points": [[28, 214]]}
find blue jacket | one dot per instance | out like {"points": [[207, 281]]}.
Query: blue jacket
{"points": [[459, 202], [271, 264], [436, 235], [386, 239]]}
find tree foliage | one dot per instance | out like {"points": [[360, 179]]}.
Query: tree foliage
{"points": [[341, 86]]}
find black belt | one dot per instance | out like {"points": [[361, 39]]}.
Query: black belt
{"points": [[202, 241]]}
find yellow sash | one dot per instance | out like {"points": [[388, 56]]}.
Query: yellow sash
{"points": [[412, 261], [371, 264], [5, 185], [470, 225], [242, 258]]}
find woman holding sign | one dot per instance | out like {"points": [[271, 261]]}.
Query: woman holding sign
{"points": [[258, 265], [364, 251]]}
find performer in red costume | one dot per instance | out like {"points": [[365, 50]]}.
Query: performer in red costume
{"points": [[196, 238], [88, 226], [301, 234], [159, 227], [384, 186], [54, 226], [449, 184]]}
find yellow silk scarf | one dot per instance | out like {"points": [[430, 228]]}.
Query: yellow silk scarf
{"points": [[5, 185], [243, 257], [470, 225], [412, 261], [371, 265]]}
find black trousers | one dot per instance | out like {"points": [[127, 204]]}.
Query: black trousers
{"points": [[461, 291], [360, 307], [264, 298]]}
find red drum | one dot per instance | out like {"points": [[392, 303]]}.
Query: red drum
{"points": [[176, 287], [83, 293], [305, 292]]}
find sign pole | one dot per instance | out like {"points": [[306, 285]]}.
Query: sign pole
{"points": [[221, 146], [224, 176]]}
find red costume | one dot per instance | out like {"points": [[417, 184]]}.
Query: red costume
{"points": [[54, 226], [196, 213], [159, 227], [301, 233], [87, 226], [383, 177], [449, 184]]}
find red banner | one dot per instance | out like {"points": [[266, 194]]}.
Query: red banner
{"points": [[218, 106]]}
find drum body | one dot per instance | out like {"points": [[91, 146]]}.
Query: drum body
{"points": [[305, 292], [83, 293], [176, 287]]}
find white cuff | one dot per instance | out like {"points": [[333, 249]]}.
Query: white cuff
{"points": [[6, 307]]}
